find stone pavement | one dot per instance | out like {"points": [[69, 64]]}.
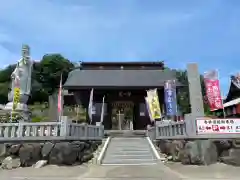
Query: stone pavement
{"points": [[218, 171], [172, 171]]}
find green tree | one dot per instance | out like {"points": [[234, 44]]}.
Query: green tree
{"points": [[49, 70], [48, 73], [4, 92], [5, 79], [183, 93], [5, 74]]}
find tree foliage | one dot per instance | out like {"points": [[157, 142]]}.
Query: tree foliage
{"points": [[183, 93], [48, 72], [5, 74], [45, 77], [4, 92]]}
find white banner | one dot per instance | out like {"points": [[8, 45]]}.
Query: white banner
{"points": [[217, 126]]}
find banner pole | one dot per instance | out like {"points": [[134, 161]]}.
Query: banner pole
{"points": [[175, 94], [223, 109]]}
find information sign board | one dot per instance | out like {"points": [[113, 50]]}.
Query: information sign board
{"points": [[218, 126]]}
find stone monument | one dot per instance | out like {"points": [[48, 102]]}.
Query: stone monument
{"points": [[195, 90], [22, 75]]}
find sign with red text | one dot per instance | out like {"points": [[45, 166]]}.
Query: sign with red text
{"points": [[217, 126], [213, 92]]}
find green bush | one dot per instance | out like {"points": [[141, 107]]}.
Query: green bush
{"points": [[37, 119], [6, 117]]}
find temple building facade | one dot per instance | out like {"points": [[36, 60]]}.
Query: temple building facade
{"points": [[124, 86], [232, 101]]}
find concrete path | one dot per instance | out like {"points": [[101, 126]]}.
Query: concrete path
{"points": [[93, 172], [173, 171]]}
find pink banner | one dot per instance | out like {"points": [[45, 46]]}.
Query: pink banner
{"points": [[213, 94], [60, 97]]}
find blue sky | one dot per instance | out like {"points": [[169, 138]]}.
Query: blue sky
{"points": [[178, 32]]}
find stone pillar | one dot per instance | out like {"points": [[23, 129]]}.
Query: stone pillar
{"points": [[53, 107], [195, 90], [204, 149]]}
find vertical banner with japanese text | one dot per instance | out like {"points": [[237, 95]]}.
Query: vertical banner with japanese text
{"points": [[148, 109], [154, 106], [16, 97], [16, 94], [60, 99], [170, 98], [213, 90], [90, 106]]}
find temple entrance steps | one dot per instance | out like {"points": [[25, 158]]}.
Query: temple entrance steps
{"points": [[125, 133], [130, 151]]}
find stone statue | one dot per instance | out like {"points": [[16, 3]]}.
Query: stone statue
{"points": [[21, 77]]}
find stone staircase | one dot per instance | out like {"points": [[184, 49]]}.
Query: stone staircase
{"points": [[125, 133], [129, 150]]}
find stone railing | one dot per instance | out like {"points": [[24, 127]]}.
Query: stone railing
{"points": [[176, 130], [151, 133], [64, 130], [197, 128]]}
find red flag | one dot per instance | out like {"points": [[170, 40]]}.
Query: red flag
{"points": [[213, 90], [60, 97]]}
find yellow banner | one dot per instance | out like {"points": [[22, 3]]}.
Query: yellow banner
{"points": [[148, 108], [16, 97], [154, 106]]}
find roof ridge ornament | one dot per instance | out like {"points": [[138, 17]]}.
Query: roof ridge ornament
{"points": [[236, 80], [80, 65]]}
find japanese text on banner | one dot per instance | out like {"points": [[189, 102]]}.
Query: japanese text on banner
{"points": [[16, 94], [154, 106], [213, 93], [148, 109], [217, 126], [16, 97], [170, 98]]}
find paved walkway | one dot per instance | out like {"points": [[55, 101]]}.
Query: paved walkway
{"points": [[93, 172], [173, 171]]}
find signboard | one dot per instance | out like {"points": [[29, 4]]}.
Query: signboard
{"points": [[217, 126], [16, 97]]}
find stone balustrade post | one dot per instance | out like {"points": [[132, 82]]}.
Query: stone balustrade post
{"points": [[20, 129], [65, 128]]}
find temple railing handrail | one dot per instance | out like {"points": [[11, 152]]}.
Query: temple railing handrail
{"points": [[174, 130], [64, 130]]}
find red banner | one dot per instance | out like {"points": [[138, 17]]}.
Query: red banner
{"points": [[213, 94], [60, 97]]}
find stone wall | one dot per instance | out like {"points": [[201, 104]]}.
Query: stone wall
{"points": [[200, 152], [60, 153]]}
